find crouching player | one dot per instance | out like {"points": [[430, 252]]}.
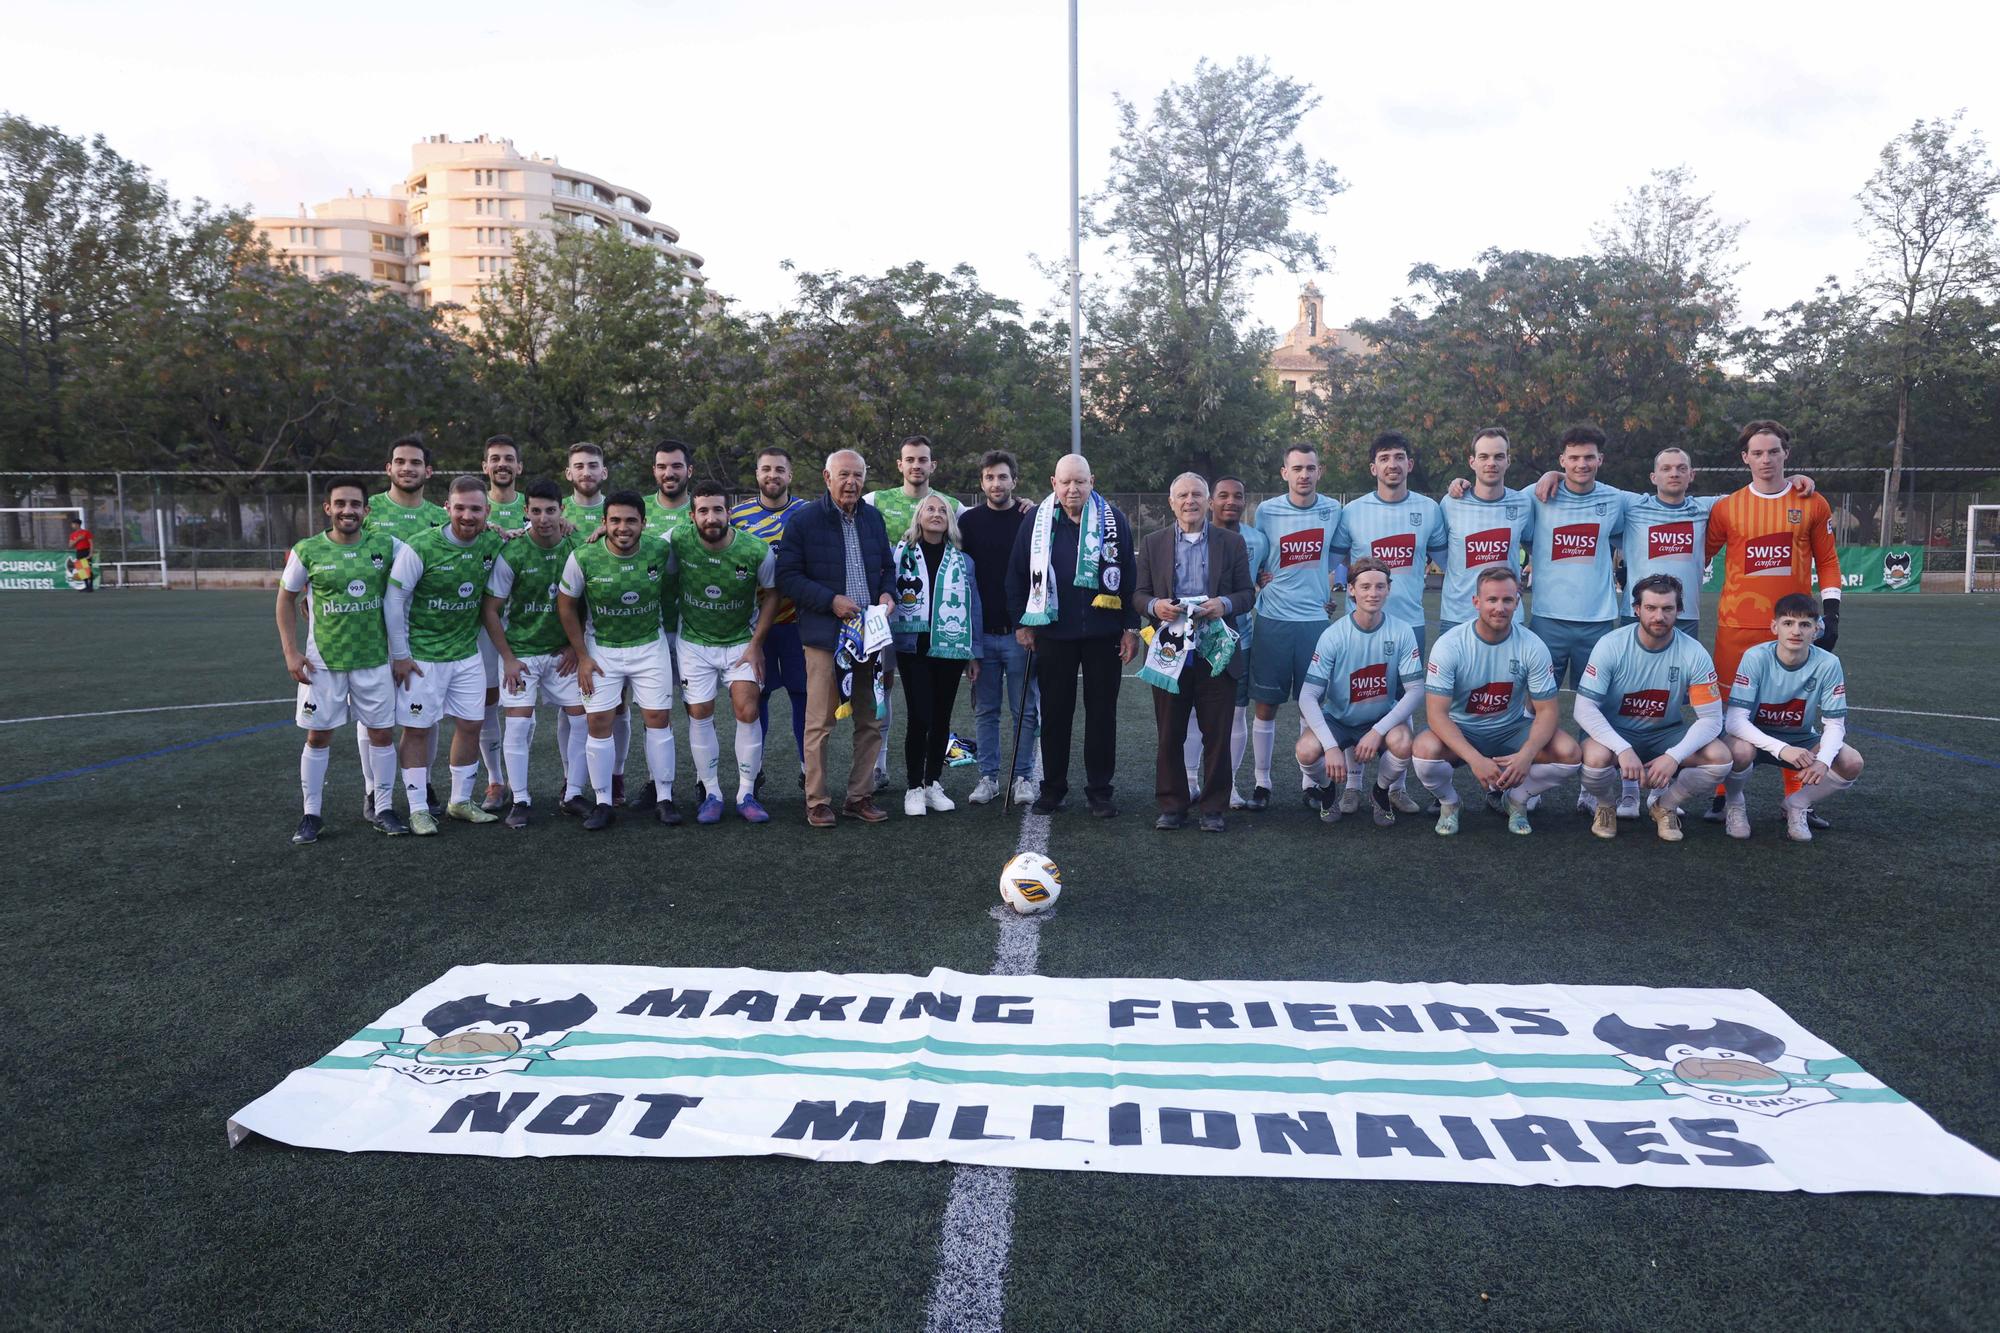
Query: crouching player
{"points": [[1629, 702], [1788, 705], [1483, 677], [1368, 670]]}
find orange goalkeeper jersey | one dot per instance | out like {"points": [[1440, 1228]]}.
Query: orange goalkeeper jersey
{"points": [[1773, 544]]}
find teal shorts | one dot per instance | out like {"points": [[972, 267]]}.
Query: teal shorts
{"points": [[1569, 643], [1500, 744], [1805, 740], [1280, 654], [1650, 745]]}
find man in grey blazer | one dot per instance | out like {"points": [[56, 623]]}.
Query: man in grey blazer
{"points": [[1194, 559]]}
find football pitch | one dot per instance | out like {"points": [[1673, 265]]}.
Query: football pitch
{"points": [[170, 956]]}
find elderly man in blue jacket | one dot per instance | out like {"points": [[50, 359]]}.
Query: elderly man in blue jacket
{"points": [[834, 563]]}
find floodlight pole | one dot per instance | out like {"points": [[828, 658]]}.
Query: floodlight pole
{"points": [[1075, 258]]}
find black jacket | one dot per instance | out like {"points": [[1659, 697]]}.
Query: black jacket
{"points": [[1076, 618], [812, 565]]}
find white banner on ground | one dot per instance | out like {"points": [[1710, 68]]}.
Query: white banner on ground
{"points": [[1515, 1085]]}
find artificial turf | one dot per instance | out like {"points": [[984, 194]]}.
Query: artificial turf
{"points": [[170, 956]]}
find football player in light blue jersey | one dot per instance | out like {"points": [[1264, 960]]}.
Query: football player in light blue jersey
{"points": [[1486, 524], [1664, 532], [1788, 705], [1475, 687], [1369, 670], [1576, 597], [1630, 704], [1402, 530], [1295, 601], [1225, 510]]}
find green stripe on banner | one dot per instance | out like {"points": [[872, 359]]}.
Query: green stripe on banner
{"points": [[378, 1034]]}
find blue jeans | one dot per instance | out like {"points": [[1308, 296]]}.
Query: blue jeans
{"points": [[1001, 655]]}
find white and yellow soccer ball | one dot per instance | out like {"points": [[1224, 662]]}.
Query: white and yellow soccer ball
{"points": [[1030, 883]]}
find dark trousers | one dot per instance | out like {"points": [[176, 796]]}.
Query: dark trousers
{"points": [[930, 685], [1058, 662], [1211, 701]]}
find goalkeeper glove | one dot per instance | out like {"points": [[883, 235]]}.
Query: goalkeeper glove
{"points": [[1829, 618]]}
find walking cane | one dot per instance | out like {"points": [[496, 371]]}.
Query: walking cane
{"points": [[1027, 683]]}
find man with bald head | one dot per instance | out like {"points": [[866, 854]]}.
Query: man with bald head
{"points": [[1070, 589], [833, 564]]}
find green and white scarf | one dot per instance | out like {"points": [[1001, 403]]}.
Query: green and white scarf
{"points": [[943, 612], [1096, 559], [1168, 651]]}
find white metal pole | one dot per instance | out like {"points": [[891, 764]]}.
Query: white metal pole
{"points": [[1075, 257], [1971, 521], [160, 524]]}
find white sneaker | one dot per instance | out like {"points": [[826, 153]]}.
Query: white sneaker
{"points": [[1026, 790], [987, 790], [1604, 821], [913, 801], [935, 798], [1666, 820], [1403, 802], [1350, 800], [1628, 806], [1236, 799], [1798, 823], [1736, 818]]}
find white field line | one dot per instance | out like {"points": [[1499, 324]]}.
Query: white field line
{"points": [[127, 712], [978, 1227]]}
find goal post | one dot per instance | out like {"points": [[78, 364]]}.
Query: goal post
{"points": [[1982, 539]]}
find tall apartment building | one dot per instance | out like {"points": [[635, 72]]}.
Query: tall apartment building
{"points": [[450, 228]]}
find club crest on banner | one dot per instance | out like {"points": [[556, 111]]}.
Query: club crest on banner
{"points": [[465, 1040], [1726, 1064]]}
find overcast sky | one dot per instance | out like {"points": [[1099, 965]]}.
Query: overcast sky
{"points": [[862, 134]]}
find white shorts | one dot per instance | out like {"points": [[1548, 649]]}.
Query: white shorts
{"points": [[704, 670], [446, 689], [646, 670], [370, 693], [489, 658], [540, 680]]}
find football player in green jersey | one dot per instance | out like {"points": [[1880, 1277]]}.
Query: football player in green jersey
{"points": [[436, 589], [402, 512], [506, 507], [344, 666], [504, 510], [668, 507], [725, 585], [584, 509], [535, 658], [610, 599]]}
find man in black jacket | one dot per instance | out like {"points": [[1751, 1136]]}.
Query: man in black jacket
{"points": [[834, 563], [1073, 625]]}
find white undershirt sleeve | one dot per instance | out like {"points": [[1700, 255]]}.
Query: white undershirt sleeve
{"points": [[1397, 716], [1832, 739], [1591, 718], [294, 578], [1707, 726], [1309, 709], [1741, 727], [403, 576]]}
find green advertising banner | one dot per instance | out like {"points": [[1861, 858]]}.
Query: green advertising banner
{"points": [[46, 571], [1862, 569]]}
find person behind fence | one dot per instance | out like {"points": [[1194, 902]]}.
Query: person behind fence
{"points": [[1069, 589], [1194, 580], [936, 621]]}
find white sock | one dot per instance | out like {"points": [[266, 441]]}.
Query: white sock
{"points": [[1391, 771], [660, 759], [519, 743], [491, 745], [1543, 777], [1601, 783], [749, 759], [1263, 739], [462, 778], [575, 784], [1239, 741], [1627, 790], [888, 724], [621, 740], [1691, 782], [382, 762], [1357, 772], [413, 788], [1808, 797], [362, 747], [600, 753], [576, 769], [707, 754], [1435, 774], [1732, 786], [1191, 753], [312, 775]]}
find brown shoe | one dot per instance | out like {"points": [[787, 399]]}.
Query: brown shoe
{"points": [[822, 816], [864, 809]]}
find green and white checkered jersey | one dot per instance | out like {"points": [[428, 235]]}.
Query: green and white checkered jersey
{"points": [[622, 594], [661, 521], [896, 506], [1787, 700], [1361, 673], [585, 518], [346, 584], [1489, 684], [1642, 692], [527, 575], [716, 591], [513, 515], [400, 522], [446, 582]]}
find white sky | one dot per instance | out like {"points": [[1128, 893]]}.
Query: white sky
{"points": [[864, 133]]}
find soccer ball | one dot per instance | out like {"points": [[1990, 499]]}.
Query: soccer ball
{"points": [[1030, 883]]}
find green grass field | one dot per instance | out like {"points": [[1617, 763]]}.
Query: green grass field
{"points": [[170, 956]]}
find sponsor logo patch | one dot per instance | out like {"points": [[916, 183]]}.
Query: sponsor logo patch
{"points": [[1669, 541], [1789, 715], [1490, 547], [1303, 547], [1490, 698], [1573, 541], [356, 588], [1770, 554], [1646, 705], [1398, 551], [1369, 682]]}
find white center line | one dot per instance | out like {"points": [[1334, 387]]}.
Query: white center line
{"points": [[127, 712]]}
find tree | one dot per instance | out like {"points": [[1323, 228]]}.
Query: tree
{"points": [[1933, 258], [1667, 227]]}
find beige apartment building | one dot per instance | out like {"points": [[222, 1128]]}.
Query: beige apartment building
{"points": [[450, 228], [1296, 359]]}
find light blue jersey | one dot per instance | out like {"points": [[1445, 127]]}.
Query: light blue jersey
{"points": [[1256, 546], [1489, 684], [1362, 673], [1667, 539], [1642, 692], [1481, 534], [1572, 553], [1300, 557], [1403, 535], [1789, 701]]}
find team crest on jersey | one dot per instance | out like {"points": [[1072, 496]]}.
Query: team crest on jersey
{"points": [[1673, 675], [1795, 516], [741, 574], [652, 571], [465, 1040], [487, 563], [376, 561], [1727, 1064]]}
